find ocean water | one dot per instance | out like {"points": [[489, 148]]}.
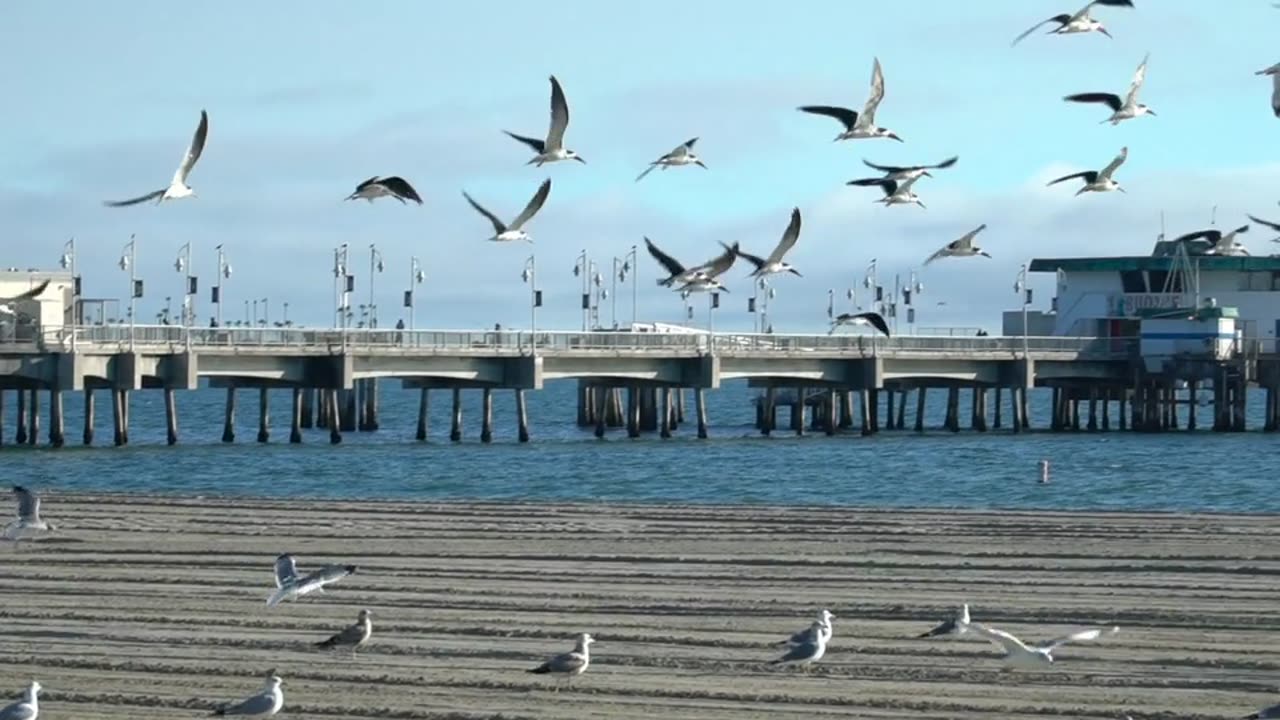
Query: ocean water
{"points": [[1176, 471]]}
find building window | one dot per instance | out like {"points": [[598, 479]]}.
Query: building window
{"points": [[1132, 281], [1257, 281]]}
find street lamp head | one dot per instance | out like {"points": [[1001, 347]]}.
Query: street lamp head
{"points": [[226, 271], [65, 262], [379, 265], [919, 288], [419, 276], [577, 270], [179, 264], [848, 294], [525, 275], [124, 262]]}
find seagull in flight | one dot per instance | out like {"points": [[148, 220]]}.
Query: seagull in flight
{"points": [[1080, 22], [910, 172], [1095, 181], [394, 186], [958, 624], [706, 278], [1264, 223], [963, 247], [28, 523], [1121, 109], [178, 187], [858, 125], [1274, 72], [1220, 243], [290, 586], [682, 155], [570, 664], [266, 702], [871, 318], [8, 305], [28, 708], [773, 264], [821, 626], [352, 636], [514, 231], [895, 192], [679, 274], [1019, 654], [552, 149]]}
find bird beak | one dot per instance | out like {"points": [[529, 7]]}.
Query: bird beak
{"points": [[535, 160], [1104, 32], [1079, 192], [579, 159]]}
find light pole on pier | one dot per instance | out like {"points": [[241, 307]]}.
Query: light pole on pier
{"points": [[266, 312], [69, 263], [582, 269], [1020, 287], [621, 268], [343, 284], [224, 273], [129, 263], [530, 277], [416, 276], [375, 266]]}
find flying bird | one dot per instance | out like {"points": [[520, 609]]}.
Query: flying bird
{"points": [[682, 155], [552, 149], [821, 626], [352, 636], [8, 305], [910, 172], [963, 247], [1080, 22], [1273, 226], [394, 186], [28, 708], [290, 586], [266, 702], [706, 278], [773, 264], [678, 274], [514, 231], [858, 125], [957, 624], [1220, 243], [28, 523], [1274, 72], [1095, 181], [895, 192], [1020, 654], [178, 187], [1121, 109], [568, 665], [871, 318]]}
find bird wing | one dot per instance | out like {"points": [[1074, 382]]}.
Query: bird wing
{"points": [[808, 634], [647, 170], [875, 320], [286, 570], [1003, 640], [1089, 634], [1060, 19], [946, 163], [256, 705], [1273, 226], [1112, 101], [888, 186], [28, 503], [688, 145], [755, 260], [802, 650], [134, 201], [535, 204], [668, 263], [789, 238], [1213, 236], [966, 240], [847, 117], [537, 145], [20, 710], [944, 251], [944, 628], [33, 292], [1089, 177], [559, 116], [193, 150], [498, 227], [877, 94], [401, 188], [325, 575], [1139, 76], [367, 183], [350, 635], [565, 662], [1274, 72], [720, 264], [1115, 164], [891, 169], [1265, 713]]}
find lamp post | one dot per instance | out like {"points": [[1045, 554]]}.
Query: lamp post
{"points": [[1020, 287], [831, 304], [530, 277], [599, 294], [285, 319], [375, 266], [266, 312], [582, 269], [343, 284], [224, 273], [871, 282], [416, 276], [69, 263], [129, 263], [621, 268]]}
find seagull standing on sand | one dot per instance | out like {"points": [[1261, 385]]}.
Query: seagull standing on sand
{"points": [[895, 192], [515, 230], [552, 149], [178, 187], [773, 264], [1221, 243], [267, 702], [352, 636], [1019, 654], [28, 523], [568, 665], [9, 305], [1264, 223], [858, 125], [910, 172], [1274, 72], [963, 247], [1080, 22], [682, 155], [28, 708], [290, 586], [870, 318], [1095, 181], [806, 652], [957, 624], [394, 186], [1121, 110], [678, 273], [821, 626]]}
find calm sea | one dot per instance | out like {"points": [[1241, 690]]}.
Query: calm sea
{"points": [[1114, 470]]}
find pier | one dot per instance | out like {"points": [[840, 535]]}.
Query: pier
{"points": [[637, 381]]}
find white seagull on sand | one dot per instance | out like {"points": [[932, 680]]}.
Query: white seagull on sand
{"points": [[1080, 22], [895, 192], [957, 624], [552, 149], [267, 702], [682, 155], [1274, 72], [821, 626], [1220, 243], [1095, 181], [352, 636], [910, 172], [870, 318], [289, 585], [806, 652], [774, 264], [858, 125], [963, 247], [28, 708], [568, 665], [515, 230], [28, 523], [1122, 109], [9, 305], [178, 187], [394, 186], [1019, 654], [678, 273]]}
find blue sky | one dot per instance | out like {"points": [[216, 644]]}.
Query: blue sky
{"points": [[307, 99]]}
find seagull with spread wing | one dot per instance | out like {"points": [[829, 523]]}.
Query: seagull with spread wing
{"points": [[291, 586], [682, 155], [552, 149], [178, 187], [1220, 243], [962, 247], [858, 125], [515, 230], [896, 192], [1265, 223], [870, 318], [28, 524], [678, 274], [9, 305], [774, 264], [394, 186], [1019, 654], [1122, 109], [706, 277], [1080, 22], [1098, 181], [910, 172]]}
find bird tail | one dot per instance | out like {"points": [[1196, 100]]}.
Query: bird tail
{"points": [[540, 670], [326, 644], [666, 283], [925, 634], [219, 712]]}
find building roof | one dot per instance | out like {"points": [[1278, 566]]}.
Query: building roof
{"points": [[1207, 263]]}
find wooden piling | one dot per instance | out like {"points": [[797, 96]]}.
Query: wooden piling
{"points": [[229, 417], [56, 436], [679, 406], [424, 406], [951, 420], [996, 419], [371, 405], [1074, 408], [33, 434], [347, 421], [522, 417], [264, 415], [170, 417], [1024, 417], [322, 409], [335, 425], [864, 404], [455, 429], [766, 427], [846, 409], [305, 411], [295, 417], [87, 435], [978, 412], [920, 408], [633, 411], [1121, 404], [874, 395], [700, 407], [1240, 406], [1106, 409], [117, 416], [599, 411], [664, 428], [649, 409], [1, 417], [829, 412], [901, 423], [890, 416], [1092, 424], [797, 412], [584, 405], [486, 415], [1191, 405], [20, 435]]}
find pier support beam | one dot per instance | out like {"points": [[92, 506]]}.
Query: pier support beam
{"points": [[522, 418], [633, 411], [170, 417], [1191, 405], [347, 421], [902, 410], [864, 404], [56, 436], [20, 434], [700, 407], [305, 411], [890, 415], [455, 429], [424, 406], [295, 417], [1092, 424], [87, 436], [335, 426], [264, 415], [486, 416], [952, 419], [920, 391], [846, 409], [1014, 410], [33, 438], [829, 412], [767, 421], [1024, 416], [229, 417], [874, 395], [1, 417], [664, 427], [118, 417], [999, 408], [600, 400], [978, 413], [371, 423], [797, 412]]}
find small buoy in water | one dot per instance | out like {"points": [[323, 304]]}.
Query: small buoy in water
{"points": [[1044, 472]]}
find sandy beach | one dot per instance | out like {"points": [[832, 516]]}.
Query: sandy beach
{"points": [[155, 608]]}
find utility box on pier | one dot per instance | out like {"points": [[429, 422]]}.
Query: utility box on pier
{"points": [[1208, 333]]}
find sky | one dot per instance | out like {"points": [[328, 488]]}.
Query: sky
{"points": [[306, 99]]}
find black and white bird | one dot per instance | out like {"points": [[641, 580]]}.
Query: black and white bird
{"points": [[707, 277], [682, 155], [1220, 243], [1080, 22], [1019, 654], [807, 651], [1095, 181], [1122, 109], [821, 626], [774, 264], [266, 702], [1274, 72], [28, 708], [963, 247], [870, 318], [895, 192], [678, 274], [9, 305], [957, 624], [910, 172], [289, 585], [28, 524], [858, 125], [1267, 713], [394, 186], [552, 149], [571, 664], [352, 636], [515, 230], [178, 187], [1265, 223]]}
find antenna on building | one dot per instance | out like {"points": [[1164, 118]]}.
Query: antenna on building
{"points": [[1161, 238], [1213, 216]]}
